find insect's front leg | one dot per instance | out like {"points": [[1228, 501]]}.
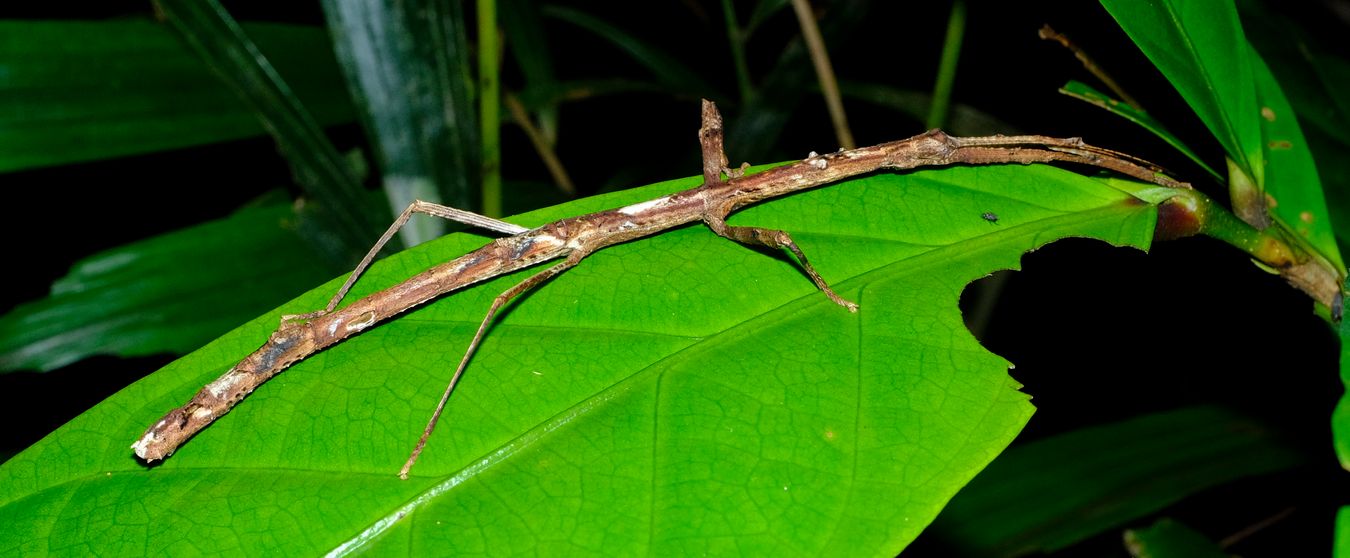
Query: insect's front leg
{"points": [[756, 236], [418, 206]]}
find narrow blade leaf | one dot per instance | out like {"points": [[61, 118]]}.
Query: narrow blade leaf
{"points": [[319, 168], [406, 65], [1091, 95], [1292, 182], [1200, 47], [168, 294], [86, 90]]}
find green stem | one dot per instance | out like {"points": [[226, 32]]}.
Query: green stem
{"points": [[951, 53], [489, 104], [736, 36], [1190, 213]]}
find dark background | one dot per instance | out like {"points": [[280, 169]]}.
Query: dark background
{"points": [[1098, 334]]}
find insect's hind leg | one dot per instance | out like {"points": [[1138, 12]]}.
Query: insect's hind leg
{"points": [[418, 206], [773, 238], [497, 303]]}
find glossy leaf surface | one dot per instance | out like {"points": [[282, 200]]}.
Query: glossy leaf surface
{"points": [[168, 294], [674, 395], [86, 90], [1200, 46], [324, 174], [1317, 83], [407, 67]]}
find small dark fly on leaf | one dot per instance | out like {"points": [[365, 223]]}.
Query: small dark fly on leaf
{"points": [[990, 216]]}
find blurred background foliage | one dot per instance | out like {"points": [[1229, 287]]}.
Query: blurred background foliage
{"points": [[173, 170]]}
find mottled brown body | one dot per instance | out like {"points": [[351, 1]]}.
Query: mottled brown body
{"points": [[576, 237]]}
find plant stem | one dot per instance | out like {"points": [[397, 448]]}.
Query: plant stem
{"points": [[489, 103], [541, 145], [824, 72], [1190, 213], [736, 36], [1048, 33], [951, 54]]}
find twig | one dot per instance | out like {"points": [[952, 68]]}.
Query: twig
{"points": [[1048, 33], [574, 238], [541, 145], [824, 72], [1255, 528], [736, 37]]}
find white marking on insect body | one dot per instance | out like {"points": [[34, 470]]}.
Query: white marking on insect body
{"points": [[363, 322], [223, 385], [638, 208]]}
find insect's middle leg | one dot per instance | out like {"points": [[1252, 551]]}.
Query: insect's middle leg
{"points": [[497, 303], [773, 238]]}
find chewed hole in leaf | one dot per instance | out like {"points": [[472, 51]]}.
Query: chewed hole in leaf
{"points": [[1103, 336]]}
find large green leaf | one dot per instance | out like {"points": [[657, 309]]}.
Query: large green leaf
{"points": [[671, 396], [169, 294], [84, 90]]}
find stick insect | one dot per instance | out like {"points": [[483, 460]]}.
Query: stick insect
{"points": [[723, 191]]}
